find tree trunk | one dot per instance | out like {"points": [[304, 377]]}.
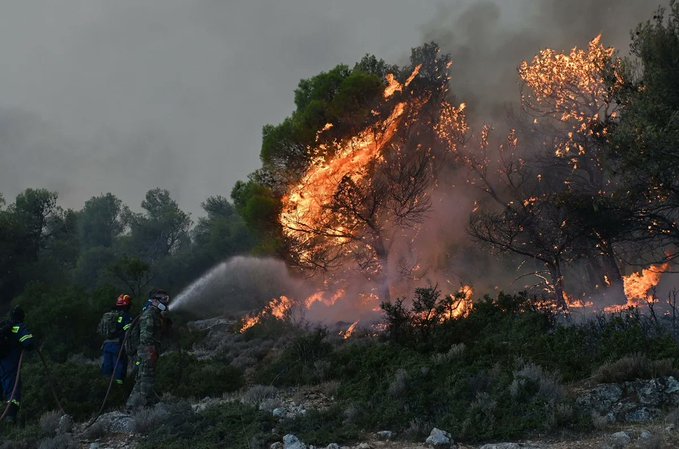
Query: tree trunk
{"points": [[557, 282]]}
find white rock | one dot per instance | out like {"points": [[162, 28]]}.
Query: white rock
{"points": [[292, 442], [439, 438], [645, 435], [333, 446], [279, 412], [385, 435], [65, 424], [620, 439]]}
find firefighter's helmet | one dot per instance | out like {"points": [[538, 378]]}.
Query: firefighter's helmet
{"points": [[124, 300]]}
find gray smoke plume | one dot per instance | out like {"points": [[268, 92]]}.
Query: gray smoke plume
{"points": [[489, 39]]}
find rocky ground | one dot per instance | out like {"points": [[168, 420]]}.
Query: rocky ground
{"points": [[618, 405], [652, 436]]}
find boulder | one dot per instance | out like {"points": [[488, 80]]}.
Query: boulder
{"points": [[117, 422], [292, 442], [439, 439], [65, 424], [645, 435], [385, 435], [619, 440]]}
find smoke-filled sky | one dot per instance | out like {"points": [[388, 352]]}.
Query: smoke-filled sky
{"points": [[122, 96]]}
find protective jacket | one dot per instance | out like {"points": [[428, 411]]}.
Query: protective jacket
{"points": [[113, 346]]}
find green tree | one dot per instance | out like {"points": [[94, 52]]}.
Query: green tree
{"points": [[133, 274], [28, 225], [646, 141], [100, 221], [259, 206], [161, 230], [222, 233]]}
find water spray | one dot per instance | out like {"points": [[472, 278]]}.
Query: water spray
{"points": [[238, 284]]}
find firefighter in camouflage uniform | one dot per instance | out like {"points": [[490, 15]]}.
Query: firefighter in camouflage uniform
{"points": [[151, 325]]}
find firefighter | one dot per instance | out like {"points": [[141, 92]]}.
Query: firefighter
{"points": [[115, 324], [20, 338], [152, 323]]}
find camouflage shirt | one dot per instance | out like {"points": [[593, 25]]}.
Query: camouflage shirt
{"points": [[150, 327]]}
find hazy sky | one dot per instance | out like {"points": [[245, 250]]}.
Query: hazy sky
{"points": [[122, 96]]}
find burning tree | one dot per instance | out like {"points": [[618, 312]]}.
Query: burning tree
{"points": [[363, 192], [530, 221], [571, 97], [556, 202]]}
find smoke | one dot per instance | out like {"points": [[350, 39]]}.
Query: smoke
{"points": [[489, 39]]}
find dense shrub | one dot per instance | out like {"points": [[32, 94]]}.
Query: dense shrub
{"points": [[180, 374], [632, 367], [64, 321], [297, 364], [231, 425]]}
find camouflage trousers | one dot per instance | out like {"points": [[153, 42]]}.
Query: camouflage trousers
{"points": [[143, 393]]}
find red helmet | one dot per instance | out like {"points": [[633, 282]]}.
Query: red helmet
{"points": [[124, 300]]}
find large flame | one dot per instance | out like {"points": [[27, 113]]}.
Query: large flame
{"points": [[305, 216], [639, 286], [574, 88]]}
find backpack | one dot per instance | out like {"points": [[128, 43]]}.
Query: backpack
{"points": [[7, 340], [108, 325], [132, 338]]}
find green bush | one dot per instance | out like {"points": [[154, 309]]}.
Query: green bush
{"points": [[231, 425], [297, 363], [64, 321], [632, 367], [180, 374]]}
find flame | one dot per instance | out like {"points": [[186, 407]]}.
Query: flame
{"points": [[350, 331], [305, 217], [639, 287], [319, 297], [462, 303], [278, 308], [575, 303], [393, 86], [573, 88]]}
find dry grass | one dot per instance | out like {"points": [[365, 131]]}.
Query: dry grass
{"points": [[632, 367]]}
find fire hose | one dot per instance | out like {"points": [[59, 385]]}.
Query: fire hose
{"points": [[113, 374], [50, 381]]}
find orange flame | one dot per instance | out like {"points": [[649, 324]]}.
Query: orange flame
{"points": [[462, 303], [350, 331], [573, 88], [305, 210], [575, 303], [278, 308], [638, 287]]}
